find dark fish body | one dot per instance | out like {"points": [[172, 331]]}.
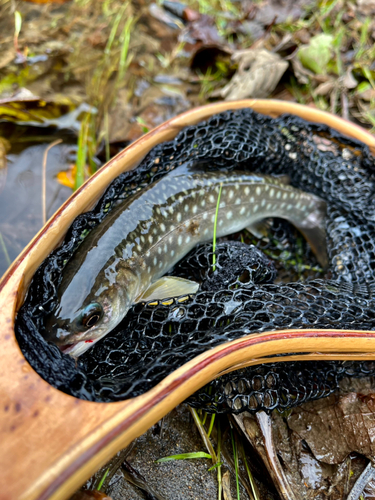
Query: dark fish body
{"points": [[148, 233]]}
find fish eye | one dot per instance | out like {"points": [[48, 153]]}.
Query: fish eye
{"points": [[91, 315]]}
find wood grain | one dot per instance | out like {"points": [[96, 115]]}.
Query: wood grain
{"points": [[51, 442]]}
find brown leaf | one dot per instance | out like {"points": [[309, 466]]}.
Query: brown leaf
{"points": [[226, 486], [325, 88], [258, 74], [336, 426]]}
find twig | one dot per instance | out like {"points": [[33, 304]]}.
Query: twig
{"points": [[44, 177]]}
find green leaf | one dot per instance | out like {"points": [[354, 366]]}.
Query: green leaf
{"points": [[184, 456], [317, 54], [218, 464]]}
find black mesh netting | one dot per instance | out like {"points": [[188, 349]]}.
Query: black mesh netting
{"points": [[274, 283]]}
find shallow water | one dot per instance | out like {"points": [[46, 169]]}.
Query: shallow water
{"points": [[21, 196]]}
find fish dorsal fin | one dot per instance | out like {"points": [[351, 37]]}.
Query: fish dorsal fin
{"points": [[166, 287]]}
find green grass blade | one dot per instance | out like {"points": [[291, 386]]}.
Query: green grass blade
{"points": [[102, 480], [203, 434], [82, 153], [215, 226], [218, 464], [125, 48], [185, 456], [218, 459], [114, 28], [211, 424], [235, 457]]}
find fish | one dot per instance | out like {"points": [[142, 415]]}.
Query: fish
{"points": [[123, 260]]}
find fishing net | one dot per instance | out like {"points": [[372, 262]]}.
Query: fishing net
{"points": [[253, 286]]}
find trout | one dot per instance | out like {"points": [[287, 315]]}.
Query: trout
{"points": [[123, 259]]}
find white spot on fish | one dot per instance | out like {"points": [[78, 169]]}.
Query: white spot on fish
{"points": [[187, 239], [172, 253], [179, 217], [165, 248], [143, 239], [263, 202], [159, 250], [186, 208], [247, 190], [242, 211], [229, 214], [160, 265], [238, 201], [170, 210], [258, 191], [172, 228], [155, 261], [206, 230], [149, 269], [170, 239], [150, 238], [237, 186], [268, 206], [230, 195], [255, 208], [179, 241], [252, 199], [162, 227], [203, 203], [195, 209], [285, 196], [211, 198], [289, 207], [139, 248], [205, 215], [213, 218], [155, 231], [278, 195], [148, 253], [158, 210], [221, 222], [282, 205], [272, 193]]}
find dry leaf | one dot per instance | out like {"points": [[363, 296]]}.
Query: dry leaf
{"points": [[226, 486], [325, 88], [336, 426], [258, 73]]}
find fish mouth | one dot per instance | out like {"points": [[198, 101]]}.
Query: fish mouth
{"points": [[67, 348], [75, 350]]}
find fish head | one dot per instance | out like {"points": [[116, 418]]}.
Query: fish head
{"points": [[84, 313]]}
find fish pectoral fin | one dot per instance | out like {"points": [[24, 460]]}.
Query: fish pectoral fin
{"points": [[260, 229], [166, 287], [283, 178]]}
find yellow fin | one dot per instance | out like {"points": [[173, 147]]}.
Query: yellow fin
{"points": [[166, 287]]}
